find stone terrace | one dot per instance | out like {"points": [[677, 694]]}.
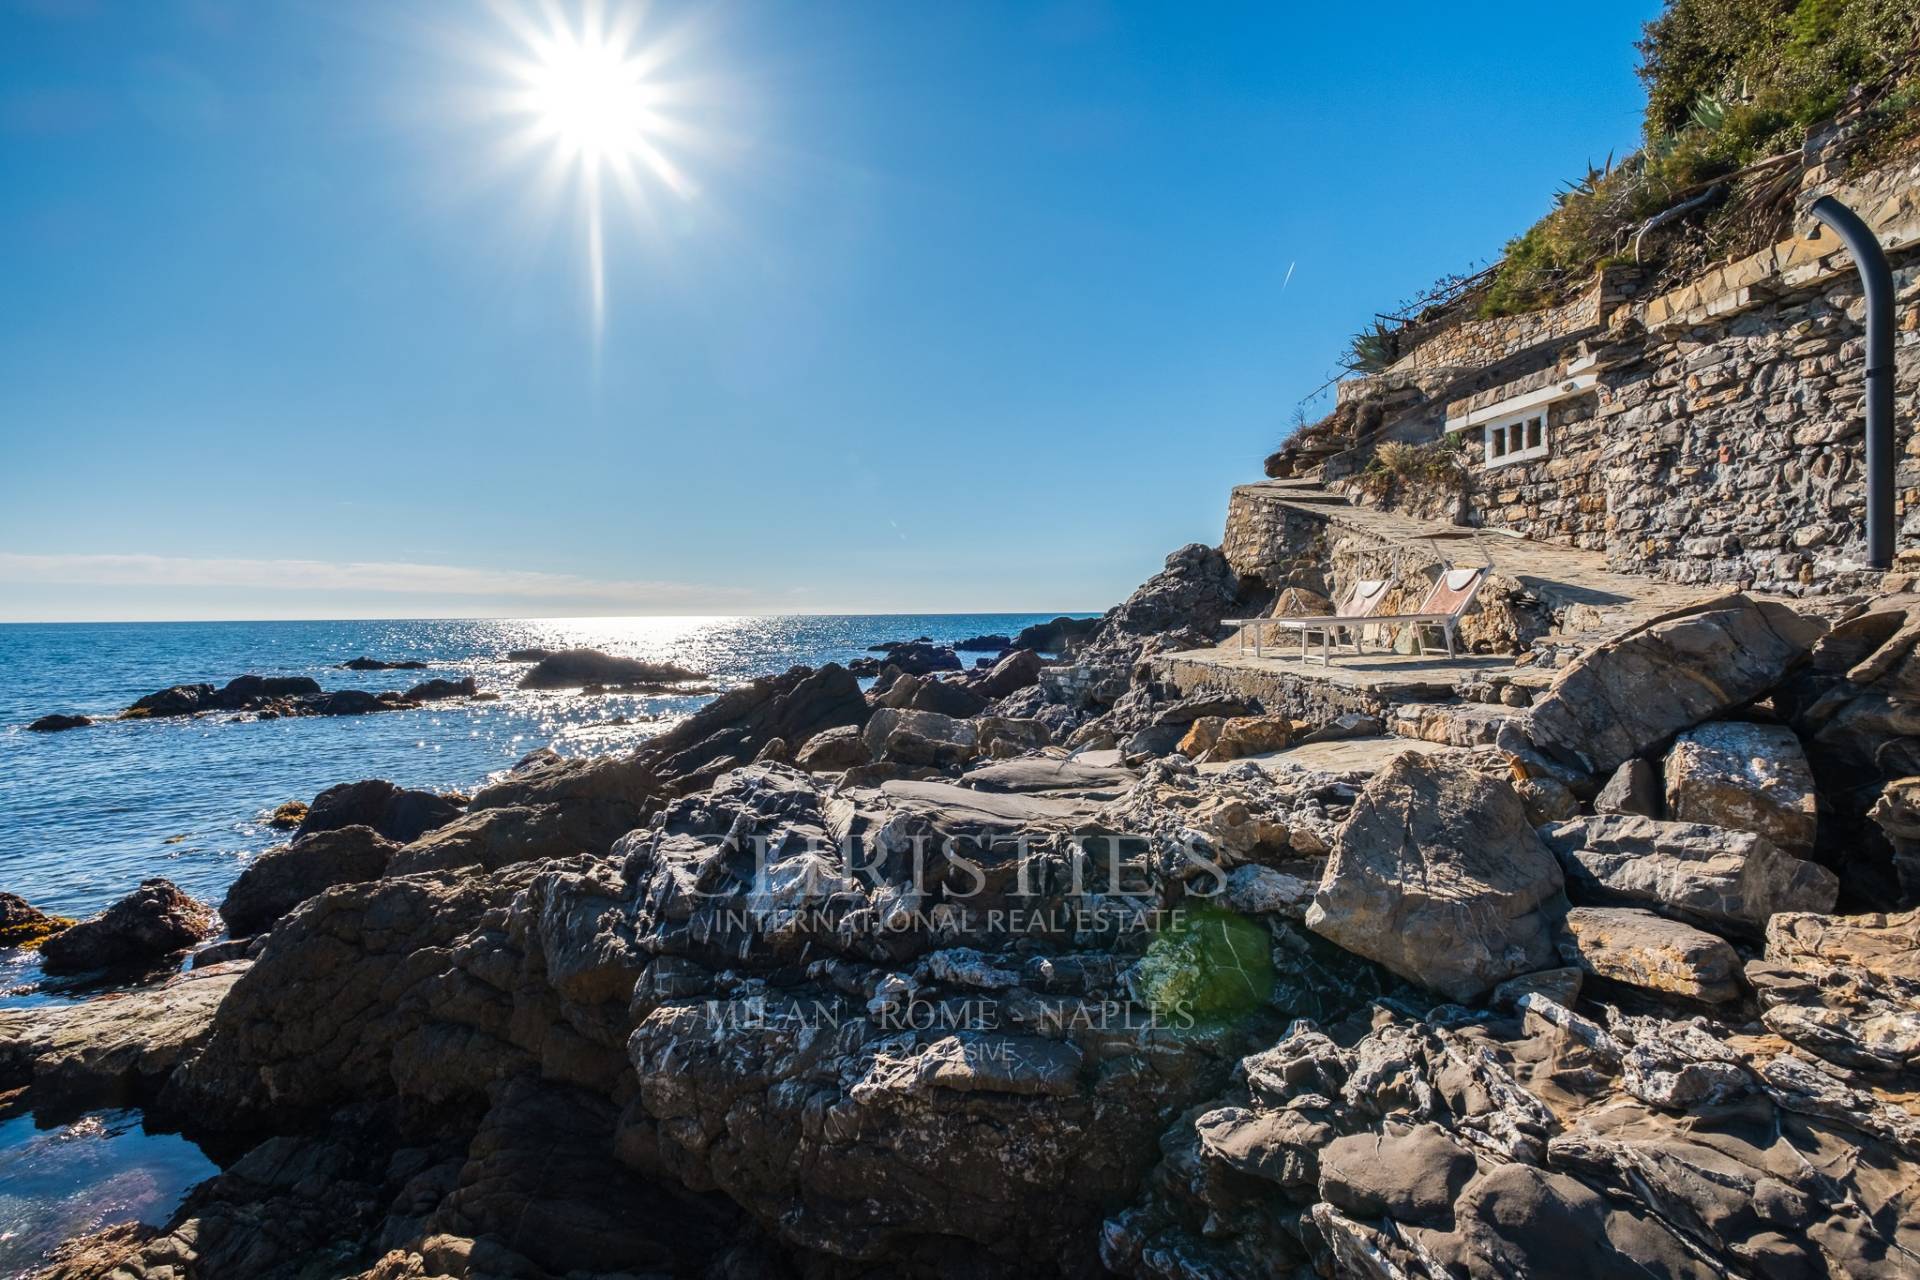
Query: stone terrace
{"points": [[1277, 521]]}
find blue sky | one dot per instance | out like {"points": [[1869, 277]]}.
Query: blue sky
{"points": [[965, 306]]}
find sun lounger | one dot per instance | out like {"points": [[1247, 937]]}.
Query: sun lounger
{"points": [[1352, 613], [1450, 597]]}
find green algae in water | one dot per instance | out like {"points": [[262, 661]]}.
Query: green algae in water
{"points": [[1210, 965]]}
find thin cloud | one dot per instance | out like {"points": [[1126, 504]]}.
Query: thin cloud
{"points": [[372, 576]]}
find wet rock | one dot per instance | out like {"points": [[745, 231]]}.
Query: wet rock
{"points": [[282, 878], [989, 643], [396, 813], [24, 925], [438, 690], [243, 693], [1749, 777], [112, 1050], [288, 816], [364, 663], [56, 722], [147, 926], [912, 658], [1630, 694], [1439, 877], [530, 653], [572, 668], [1634, 789], [1723, 878], [1653, 953]]}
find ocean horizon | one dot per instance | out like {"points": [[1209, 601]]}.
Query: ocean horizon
{"points": [[86, 814]]}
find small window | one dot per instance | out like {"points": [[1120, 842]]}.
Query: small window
{"points": [[1517, 439]]}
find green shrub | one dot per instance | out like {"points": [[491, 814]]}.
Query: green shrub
{"points": [[1729, 82]]}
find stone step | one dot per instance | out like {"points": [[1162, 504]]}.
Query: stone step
{"points": [[1458, 724]]}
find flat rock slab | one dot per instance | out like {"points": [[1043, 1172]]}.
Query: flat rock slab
{"points": [[1722, 877], [988, 808], [1653, 953], [1039, 773], [1349, 755], [1885, 944], [106, 1050]]}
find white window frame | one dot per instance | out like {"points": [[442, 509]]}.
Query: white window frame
{"points": [[1503, 432]]}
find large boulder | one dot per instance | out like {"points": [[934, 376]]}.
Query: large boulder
{"points": [[1652, 952], [147, 926], [396, 813], [1723, 878], [926, 693], [833, 751], [1056, 636], [921, 738], [1438, 876], [1750, 777], [282, 878], [437, 690], [426, 987], [732, 729], [1018, 670], [573, 668], [1635, 692], [1844, 988]]}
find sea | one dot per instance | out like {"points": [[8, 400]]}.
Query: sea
{"points": [[86, 814]]}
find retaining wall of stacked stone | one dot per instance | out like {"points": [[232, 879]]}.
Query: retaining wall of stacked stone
{"points": [[1734, 451], [1723, 441]]}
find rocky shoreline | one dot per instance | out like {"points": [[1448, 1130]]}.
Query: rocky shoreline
{"points": [[1047, 967]]}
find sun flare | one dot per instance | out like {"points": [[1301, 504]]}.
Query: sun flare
{"points": [[595, 106], [592, 100]]}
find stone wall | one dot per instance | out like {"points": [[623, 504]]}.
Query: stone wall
{"points": [[1723, 441], [1278, 545], [1561, 497], [1734, 451]]}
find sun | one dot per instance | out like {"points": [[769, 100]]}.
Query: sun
{"points": [[591, 99], [595, 104]]}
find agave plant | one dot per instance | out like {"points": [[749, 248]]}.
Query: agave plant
{"points": [[1373, 349], [1709, 113], [1587, 184]]}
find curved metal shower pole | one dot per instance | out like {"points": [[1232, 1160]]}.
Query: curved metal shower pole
{"points": [[1876, 278]]}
